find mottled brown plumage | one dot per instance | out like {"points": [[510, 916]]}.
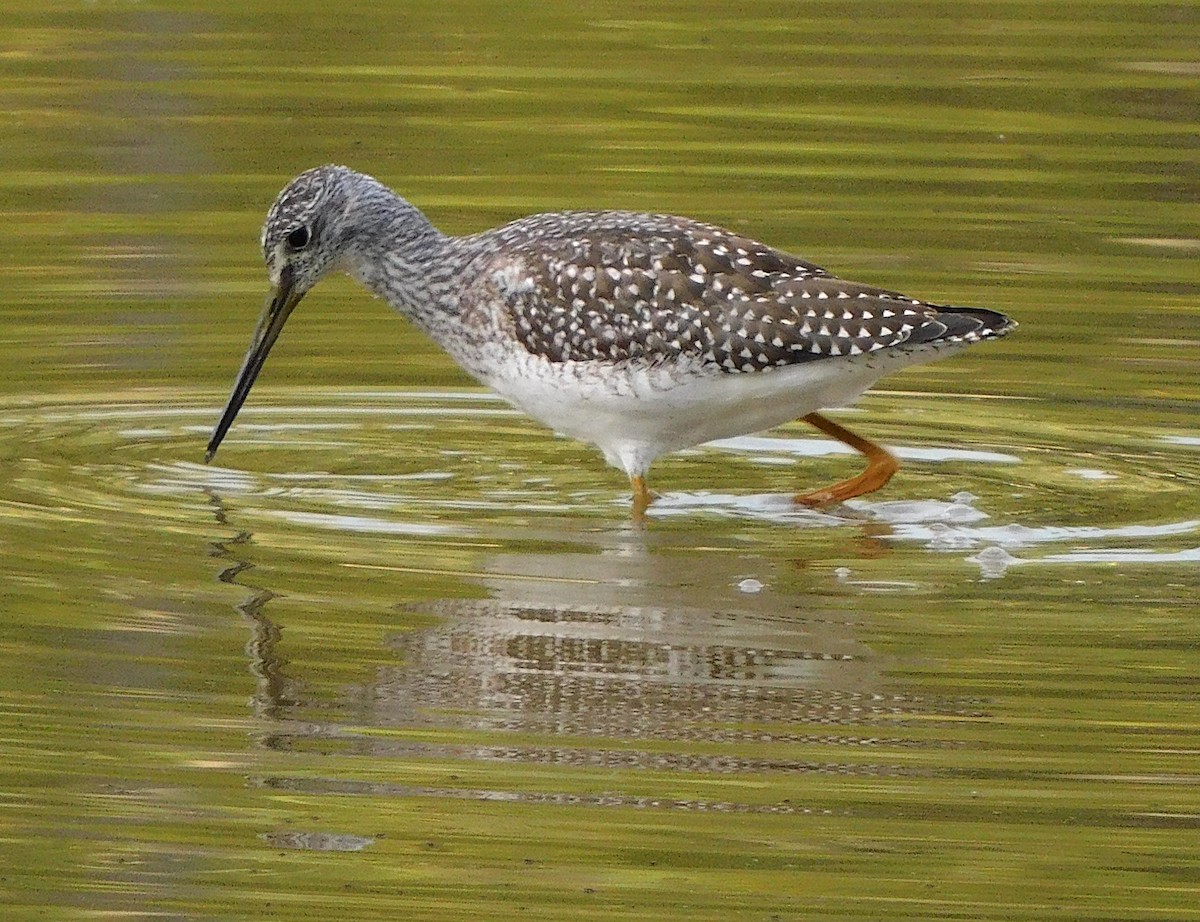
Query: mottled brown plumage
{"points": [[620, 286]]}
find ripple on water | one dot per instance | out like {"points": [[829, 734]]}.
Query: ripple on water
{"points": [[612, 651], [443, 464]]}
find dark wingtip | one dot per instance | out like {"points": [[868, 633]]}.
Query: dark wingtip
{"points": [[208, 455], [973, 323]]}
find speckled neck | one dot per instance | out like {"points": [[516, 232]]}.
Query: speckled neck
{"points": [[397, 253]]}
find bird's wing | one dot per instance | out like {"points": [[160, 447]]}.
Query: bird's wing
{"points": [[680, 289]]}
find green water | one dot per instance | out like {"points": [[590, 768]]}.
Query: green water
{"points": [[400, 653]]}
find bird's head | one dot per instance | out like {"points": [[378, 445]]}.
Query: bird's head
{"points": [[306, 227], [305, 236]]}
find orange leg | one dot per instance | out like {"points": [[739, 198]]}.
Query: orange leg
{"points": [[641, 497], [881, 465]]}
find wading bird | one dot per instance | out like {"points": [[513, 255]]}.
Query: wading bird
{"points": [[640, 334]]}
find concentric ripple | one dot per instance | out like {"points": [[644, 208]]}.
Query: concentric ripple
{"points": [[1018, 481]]}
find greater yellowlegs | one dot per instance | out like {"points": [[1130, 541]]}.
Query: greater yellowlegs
{"points": [[640, 334]]}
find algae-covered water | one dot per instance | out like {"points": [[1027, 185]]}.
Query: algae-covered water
{"points": [[400, 653]]}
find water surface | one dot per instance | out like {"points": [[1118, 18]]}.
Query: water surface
{"points": [[400, 652]]}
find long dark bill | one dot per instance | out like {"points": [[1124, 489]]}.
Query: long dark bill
{"points": [[275, 314]]}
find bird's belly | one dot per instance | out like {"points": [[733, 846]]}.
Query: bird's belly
{"points": [[634, 413]]}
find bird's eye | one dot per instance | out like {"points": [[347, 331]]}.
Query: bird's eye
{"points": [[299, 238]]}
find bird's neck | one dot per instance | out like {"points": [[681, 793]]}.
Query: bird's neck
{"points": [[399, 255]]}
